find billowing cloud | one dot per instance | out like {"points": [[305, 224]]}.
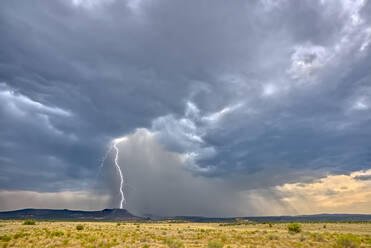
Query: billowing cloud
{"points": [[239, 97], [20, 108]]}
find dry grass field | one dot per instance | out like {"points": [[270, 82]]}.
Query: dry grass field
{"points": [[164, 234]]}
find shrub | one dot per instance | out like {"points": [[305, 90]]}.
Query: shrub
{"points": [[57, 233], [20, 235], [79, 227], [223, 239], [318, 237], [5, 238], [215, 244], [173, 243], [347, 241], [294, 228], [92, 239], [29, 222]]}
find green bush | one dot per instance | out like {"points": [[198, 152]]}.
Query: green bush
{"points": [[348, 241], [5, 238], [29, 222], [20, 235], [173, 243], [215, 244], [79, 227], [318, 237], [294, 228], [57, 233]]}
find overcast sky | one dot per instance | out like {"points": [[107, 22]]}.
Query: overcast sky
{"points": [[227, 107]]}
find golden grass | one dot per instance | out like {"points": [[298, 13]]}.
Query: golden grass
{"points": [[164, 234]]}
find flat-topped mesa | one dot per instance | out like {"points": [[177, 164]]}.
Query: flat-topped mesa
{"points": [[65, 214]]}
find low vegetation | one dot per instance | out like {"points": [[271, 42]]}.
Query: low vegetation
{"points": [[29, 222], [215, 244], [173, 243], [348, 241], [294, 227], [79, 227], [178, 235]]}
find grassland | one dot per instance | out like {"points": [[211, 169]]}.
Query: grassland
{"points": [[164, 234]]}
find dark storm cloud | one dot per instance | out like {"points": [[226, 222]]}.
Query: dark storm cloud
{"points": [[246, 90], [363, 177]]}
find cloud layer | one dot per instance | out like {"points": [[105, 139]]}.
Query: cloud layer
{"points": [[230, 99], [332, 194]]}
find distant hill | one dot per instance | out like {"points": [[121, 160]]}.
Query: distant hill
{"points": [[298, 218], [65, 214], [314, 218], [124, 215]]}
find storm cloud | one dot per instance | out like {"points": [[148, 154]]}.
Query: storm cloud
{"points": [[222, 103]]}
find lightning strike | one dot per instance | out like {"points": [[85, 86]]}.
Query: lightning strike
{"points": [[112, 146], [115, 142]]}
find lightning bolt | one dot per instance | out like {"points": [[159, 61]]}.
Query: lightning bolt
{"points": [[114, 143], [113, 146]]}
